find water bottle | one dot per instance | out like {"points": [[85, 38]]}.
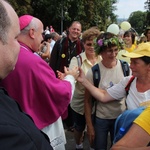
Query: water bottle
{"points": [[119, 135], [122, 131]]}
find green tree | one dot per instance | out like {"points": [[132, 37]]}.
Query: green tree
{"points": [[22, 6], [88, 12], [137, 20], [147, 7]]}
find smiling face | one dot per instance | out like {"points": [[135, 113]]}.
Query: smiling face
{"points": [[89, 47], [110, 53], [10, 49], [128, 39], [75, 31]]}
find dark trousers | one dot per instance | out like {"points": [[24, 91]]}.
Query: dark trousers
{"points": [[68, 122], [102, 128]]}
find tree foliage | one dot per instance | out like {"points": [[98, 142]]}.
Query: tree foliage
{"points": [[22, 6], [137, 20], [88, 12], [140, 20], [147, 7]]}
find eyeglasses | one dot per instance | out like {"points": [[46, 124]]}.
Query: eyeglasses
{"points": [[90, 45]]}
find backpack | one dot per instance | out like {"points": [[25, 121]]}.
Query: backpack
{"points": [[125, 120], [97, 77], [96, 70]]}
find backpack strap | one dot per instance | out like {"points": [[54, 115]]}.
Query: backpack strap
{"points": [[96, 80], [96, 75], [79, 60], [125, 68], [128, 85]]}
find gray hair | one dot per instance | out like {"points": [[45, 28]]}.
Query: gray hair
{"points": [[5, 23], [53, 34], [31, 25]]}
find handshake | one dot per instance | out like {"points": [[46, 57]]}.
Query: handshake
{"points": [[74, 72]]}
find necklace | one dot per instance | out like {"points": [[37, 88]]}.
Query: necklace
{"points": [[71, 49]]}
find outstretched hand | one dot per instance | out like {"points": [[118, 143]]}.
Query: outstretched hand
{"points": [[60, 75], [81, 76], [74, 72]]}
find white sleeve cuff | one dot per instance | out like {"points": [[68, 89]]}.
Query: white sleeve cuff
{"points": [[71, 79]]}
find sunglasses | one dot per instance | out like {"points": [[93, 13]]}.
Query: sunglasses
{"points": [[90, 44]]}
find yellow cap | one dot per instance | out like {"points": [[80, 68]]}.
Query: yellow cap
{"points": [[142, 49]]}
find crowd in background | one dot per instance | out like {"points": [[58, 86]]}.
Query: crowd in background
{"points": [[78, 116], [52, 80]]}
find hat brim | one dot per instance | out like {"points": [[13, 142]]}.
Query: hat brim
{"points": [[132, 55]]}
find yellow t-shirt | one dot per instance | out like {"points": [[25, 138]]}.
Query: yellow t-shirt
{"points": [[143, 120], [131, 49]]}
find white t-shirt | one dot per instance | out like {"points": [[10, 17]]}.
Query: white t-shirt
{"points": [[134, 98], [109, 77], [47, 32]]}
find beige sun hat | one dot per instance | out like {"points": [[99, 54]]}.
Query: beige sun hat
{"points": [[142, 49]]}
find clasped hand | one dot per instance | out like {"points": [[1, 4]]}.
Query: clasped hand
{"points": [[74, 72]]}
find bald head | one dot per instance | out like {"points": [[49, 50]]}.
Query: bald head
{"points": [[9, 46], [5, 21]]}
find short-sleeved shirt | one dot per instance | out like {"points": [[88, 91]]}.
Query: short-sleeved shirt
{"points": [[109, 77], [144, 120], [134, 98], [77, 103]]}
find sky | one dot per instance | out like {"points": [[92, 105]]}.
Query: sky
{"points": [[126, 7]]}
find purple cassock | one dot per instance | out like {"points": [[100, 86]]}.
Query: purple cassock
{"points": [[34, 86]]}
